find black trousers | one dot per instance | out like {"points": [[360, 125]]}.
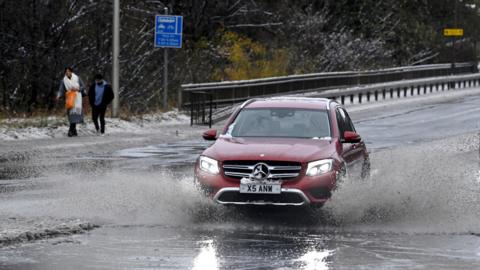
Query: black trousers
{"points": [[72, 131], [99, 111]]}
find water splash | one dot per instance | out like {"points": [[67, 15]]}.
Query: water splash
{"points": [[428, 188]]}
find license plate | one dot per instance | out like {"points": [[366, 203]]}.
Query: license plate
{"points": [[259, 187]]}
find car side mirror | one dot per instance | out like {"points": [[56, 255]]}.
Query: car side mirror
{"points": [[351, 137], [210, 135]]}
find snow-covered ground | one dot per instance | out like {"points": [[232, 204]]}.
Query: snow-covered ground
{"points": [[54, 127]]}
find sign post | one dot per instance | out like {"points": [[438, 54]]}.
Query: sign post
{"points": [[453, 33], [168, 34]]}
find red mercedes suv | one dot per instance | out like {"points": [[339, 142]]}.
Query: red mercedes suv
{"points": [[281, 151]]}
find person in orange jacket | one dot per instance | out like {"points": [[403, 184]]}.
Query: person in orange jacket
{"points": [[73, 89]]}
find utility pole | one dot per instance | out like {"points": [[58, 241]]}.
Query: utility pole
{"points": [[165, 72], [115, 53], [454, 38]]}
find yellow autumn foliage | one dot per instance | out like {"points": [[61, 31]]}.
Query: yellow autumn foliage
{"points": [[248, 59]]}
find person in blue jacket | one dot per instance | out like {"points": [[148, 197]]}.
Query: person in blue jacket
{"points": [[100, 94]]}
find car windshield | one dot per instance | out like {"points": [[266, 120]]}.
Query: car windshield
{"points": [[281, 122]]}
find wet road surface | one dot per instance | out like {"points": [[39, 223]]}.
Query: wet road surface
{"points": [[419, 210]]}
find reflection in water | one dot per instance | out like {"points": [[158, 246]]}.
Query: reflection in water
{"points": [[207, 258], [315, 260], [257, 255]]}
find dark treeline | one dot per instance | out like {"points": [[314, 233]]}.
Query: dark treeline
{"points": [[223, 40]]}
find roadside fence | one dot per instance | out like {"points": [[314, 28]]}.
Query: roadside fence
{"points": [[212, 102]]}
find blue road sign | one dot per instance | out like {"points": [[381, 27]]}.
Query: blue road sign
{"points": [[168, 31]]}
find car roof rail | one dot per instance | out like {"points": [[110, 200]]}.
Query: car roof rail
{"points": [[330, 101], [248, 102], [327, 100]]}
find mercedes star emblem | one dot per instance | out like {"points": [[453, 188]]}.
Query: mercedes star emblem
{"points": [[260, 171]]}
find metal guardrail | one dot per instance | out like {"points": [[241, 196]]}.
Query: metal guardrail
{"points": [[398, 89], [217, 98]]}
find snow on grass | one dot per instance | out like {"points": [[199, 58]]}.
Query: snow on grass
{"points": [[54, 126]]}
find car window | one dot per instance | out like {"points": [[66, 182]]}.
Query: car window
{"points": [[348, 122], [340, 122], [281, 122], [344, 121]]}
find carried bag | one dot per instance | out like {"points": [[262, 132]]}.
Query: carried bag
{"points": [[70, 97]]}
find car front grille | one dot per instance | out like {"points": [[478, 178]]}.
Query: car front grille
{"points": [[278, 170]]}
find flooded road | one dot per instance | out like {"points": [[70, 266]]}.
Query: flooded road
{"points": [[419, 209], [247, 248]]}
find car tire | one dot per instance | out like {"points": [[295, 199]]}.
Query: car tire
{"points": [[365, 174], [341, 177], [205, 191], [316, 206]]}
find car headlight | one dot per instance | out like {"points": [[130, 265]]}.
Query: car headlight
{"points": [[319, 167], [209, 165]]}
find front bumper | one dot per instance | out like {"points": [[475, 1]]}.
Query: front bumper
{"points": [[288, 197], [304, 190]]}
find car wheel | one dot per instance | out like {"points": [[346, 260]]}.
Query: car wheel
{"points": [[316, 206], [365, 169], [202, 189], [341, 177]]}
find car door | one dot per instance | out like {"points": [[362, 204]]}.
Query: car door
{"points": [[352, 153]]}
